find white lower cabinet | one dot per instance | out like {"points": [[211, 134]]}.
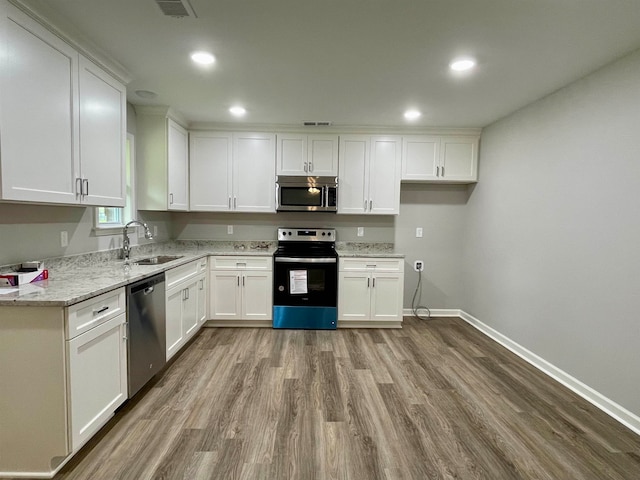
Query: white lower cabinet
{"points": [[184, 305], [370, 292], [241, 289], [97, 377]]}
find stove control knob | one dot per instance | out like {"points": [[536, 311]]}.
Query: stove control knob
{"points": [[324, 233]]}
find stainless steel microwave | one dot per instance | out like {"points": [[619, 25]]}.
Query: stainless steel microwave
{"points": [[307, 194]]}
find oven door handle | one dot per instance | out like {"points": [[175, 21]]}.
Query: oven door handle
{"points": [[306, 260]]}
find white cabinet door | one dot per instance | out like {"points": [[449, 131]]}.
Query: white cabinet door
{"points": [[459, 159], [292, 155], [38, 112], [353, 174], [210, 167], [257, 296], [354, 296], [386, 297], [202, 298], [102, 136], [97, 377], [322, 155], [175, 331], [225, 295], [420, 157], [384, 176], [190, 322], [178, 161], [254, 180]]}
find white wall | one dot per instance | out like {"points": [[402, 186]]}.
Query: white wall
{"points": [[552, 247]]}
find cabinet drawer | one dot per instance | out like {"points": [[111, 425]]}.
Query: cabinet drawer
{"points": [[241, 263], [181, 273], [371, 264], [85, 315]]}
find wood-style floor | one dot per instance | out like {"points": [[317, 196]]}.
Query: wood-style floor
{"points": [[436, 399]]}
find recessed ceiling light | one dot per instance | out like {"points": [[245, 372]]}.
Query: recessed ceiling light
{"points": [[203, 58], [412, 114], [462, 64], [238, 111], [146, 94]]}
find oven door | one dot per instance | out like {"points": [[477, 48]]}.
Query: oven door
{"points": [[305, 293], [305, 281]]}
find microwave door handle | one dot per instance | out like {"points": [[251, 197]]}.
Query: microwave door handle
{"points": [[325, 197]]}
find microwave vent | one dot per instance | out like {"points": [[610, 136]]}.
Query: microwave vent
{"points": [[176, 8], [316, 124]]}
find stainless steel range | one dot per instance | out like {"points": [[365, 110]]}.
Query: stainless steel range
{"points": [[305, 279]]}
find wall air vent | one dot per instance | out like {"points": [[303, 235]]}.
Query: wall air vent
{"points": [[176, 8], [316, 124]]}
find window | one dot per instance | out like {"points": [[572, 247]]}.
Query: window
{"points": [[107, 219]]}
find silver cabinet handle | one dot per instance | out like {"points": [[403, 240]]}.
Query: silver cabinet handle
{"points": [[370, 205], [229, 203], [243, 280], [443, 170], [171, 199], [78, 186], [306, 167], [368, 282], [85, 183], [365, 205], [437, 171], [201, 284], [100, 310], [374, 282], [235, 202], [238, 280], [311, 166]]}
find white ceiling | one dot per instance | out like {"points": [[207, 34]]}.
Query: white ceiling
{"points": [[356, 62]]}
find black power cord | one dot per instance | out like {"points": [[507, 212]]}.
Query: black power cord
{"points": [[415, 308]]}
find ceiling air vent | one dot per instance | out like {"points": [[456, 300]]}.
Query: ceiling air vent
{"points": [[176, 8], [316, 124]]}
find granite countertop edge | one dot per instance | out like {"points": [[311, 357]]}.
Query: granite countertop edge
{"points": [[77, 278]]}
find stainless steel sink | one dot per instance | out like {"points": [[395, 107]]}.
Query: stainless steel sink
{"points": [[158, 260]]}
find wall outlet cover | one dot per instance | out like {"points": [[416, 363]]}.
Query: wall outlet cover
{"points": [[64, 239], [361, 231], [229, 229], [419, 232]]}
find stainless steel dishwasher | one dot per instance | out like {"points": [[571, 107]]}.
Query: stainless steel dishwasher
{"points": [[147, 330]]}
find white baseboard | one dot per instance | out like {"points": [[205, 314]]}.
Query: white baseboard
{"points": [[442, 312], [608, 406]]}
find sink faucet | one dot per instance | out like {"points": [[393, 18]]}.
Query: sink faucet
{"points": [[126, 248]]}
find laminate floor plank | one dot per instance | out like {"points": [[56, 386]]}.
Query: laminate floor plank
{"points": [[434, 400]]}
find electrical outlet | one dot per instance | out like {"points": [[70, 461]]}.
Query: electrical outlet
{"points": [[361, 231], [419, 232], [64, 239], [418, 265], [229, 229]]}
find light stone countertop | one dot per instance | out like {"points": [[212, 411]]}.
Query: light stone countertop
{"points": [[77, 278]]}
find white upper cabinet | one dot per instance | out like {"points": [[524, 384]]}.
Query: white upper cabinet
{"points": [[58, 111], [369, 175], [232, 172], [162, 161], [210, 170], [103, 131], [254, 181], [440, 159], [178, 166], [307, 155]]}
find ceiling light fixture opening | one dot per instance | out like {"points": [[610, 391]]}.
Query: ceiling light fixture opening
{"points": [[412, 114], [238, 111], [203, 58], [146, 94], [462, 64]]}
